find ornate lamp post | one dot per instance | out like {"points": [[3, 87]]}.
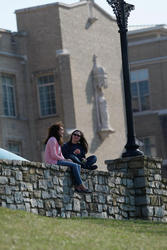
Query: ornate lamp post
{"points": [[122, 11]]}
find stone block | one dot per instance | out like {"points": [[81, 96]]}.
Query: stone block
{"points": [[147, 211], [6, 172], [47, 174], [40, 203], [21, 207], [158, 212], [121, 199], [102, 199], [19, 176], [68, 207], [84, 213], [76, 205], [3, 180], [130, 183], [46, 195], [55, 180], [142, 200], [42, 184], [18, 197], [34, 211], [58, 203], [140, 182]]}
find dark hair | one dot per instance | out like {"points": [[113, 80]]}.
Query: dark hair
{"points": [[82, 141], [54, 131]]}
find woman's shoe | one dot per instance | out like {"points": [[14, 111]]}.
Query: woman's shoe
{"points": [[91, 167], [86, 190], [78, 190], [82, 189]]}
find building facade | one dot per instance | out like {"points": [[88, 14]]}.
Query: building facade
{"points": [[148, 67], [63, 63]]}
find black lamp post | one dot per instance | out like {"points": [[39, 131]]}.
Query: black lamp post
{"points": [[122, 10]]}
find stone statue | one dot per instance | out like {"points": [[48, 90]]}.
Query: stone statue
{"points": [[100, 82]]}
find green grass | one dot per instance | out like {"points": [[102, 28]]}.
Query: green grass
{"points": [[22, 230]]}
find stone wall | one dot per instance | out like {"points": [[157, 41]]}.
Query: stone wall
{"points": [[149, 187], [131, 188]]}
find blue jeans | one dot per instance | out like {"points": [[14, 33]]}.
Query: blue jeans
{"points": [[75, 169], [89, 161]]}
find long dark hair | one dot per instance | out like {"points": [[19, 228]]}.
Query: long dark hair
{"points": [[82, 141], [54, 131]]}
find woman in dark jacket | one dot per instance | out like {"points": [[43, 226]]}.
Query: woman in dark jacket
{"points": [[76, 149], [53, 155]]}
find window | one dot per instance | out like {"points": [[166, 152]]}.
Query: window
{"points": [[14, 147], [8, 82], [46, 91], [140, 90], [148, 146]]}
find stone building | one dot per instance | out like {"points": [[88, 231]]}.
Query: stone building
{"points": [[148, 66], [63, 63]]}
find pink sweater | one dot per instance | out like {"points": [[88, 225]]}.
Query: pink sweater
{"points": [[53, 151]]}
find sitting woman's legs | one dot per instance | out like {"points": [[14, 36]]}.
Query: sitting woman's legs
{"points": [[75, 159], [91, 160], [75, 170]]}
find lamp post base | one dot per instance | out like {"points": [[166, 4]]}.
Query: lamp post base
{"points": [[132, 153]]}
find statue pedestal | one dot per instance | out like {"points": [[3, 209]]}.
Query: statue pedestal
{"points": [[104, 132]]}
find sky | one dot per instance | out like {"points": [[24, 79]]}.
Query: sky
{"points": [[147, 12]]}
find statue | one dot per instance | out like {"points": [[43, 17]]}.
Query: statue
{"points": [[100, 82]]}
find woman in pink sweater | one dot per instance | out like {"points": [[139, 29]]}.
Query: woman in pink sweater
{"points": [[53, 154]]}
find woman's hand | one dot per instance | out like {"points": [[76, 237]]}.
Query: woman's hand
{"points": [[77, 151], [84, 160], [69, 160]]}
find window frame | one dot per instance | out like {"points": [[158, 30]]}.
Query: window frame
{"points": [[19, 143], [152, 145], [13, 86], [38, 93], [139, 97]]}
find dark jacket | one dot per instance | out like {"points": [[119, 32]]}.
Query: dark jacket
{"points": [[69, 148]]}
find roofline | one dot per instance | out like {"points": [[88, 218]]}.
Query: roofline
{"points": [[67, 6], [154, 28], [5, 31], [48, 5], [105, 12]]}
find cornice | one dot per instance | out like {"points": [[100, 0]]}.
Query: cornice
{"points": [[145, 41], [149, 61], [63, 5], [8, 54]]}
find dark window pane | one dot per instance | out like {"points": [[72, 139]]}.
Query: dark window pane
{"points": [[134, 89], [8, 95], [47, 100], [45, 79]]}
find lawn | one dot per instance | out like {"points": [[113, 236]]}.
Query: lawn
{"points": [[23, 230]]}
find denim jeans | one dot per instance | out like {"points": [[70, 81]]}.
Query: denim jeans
{"points": [[75, 169], [89, 161]]}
